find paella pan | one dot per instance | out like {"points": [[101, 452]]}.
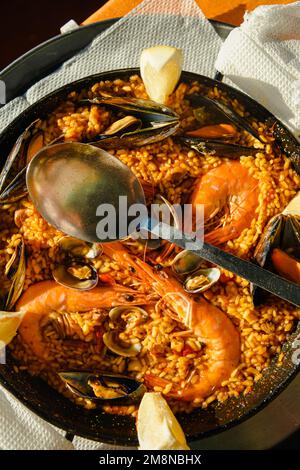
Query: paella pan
{"points": [[119, 320]]}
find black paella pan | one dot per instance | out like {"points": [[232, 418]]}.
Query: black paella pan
{"points": [[95, 424]]}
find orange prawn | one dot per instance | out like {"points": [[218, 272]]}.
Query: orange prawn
{"points": [[45, 297], [231, 185], [208, 322]]}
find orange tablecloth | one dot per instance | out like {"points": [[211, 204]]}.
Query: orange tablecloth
{"points": [[229, 11]]}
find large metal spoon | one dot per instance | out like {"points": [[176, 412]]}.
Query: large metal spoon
{"points": [[68, 182]]}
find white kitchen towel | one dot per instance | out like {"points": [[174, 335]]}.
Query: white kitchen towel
{"points": [[174, 22], [262, 57]]}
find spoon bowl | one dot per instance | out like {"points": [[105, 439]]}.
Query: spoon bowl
{"points": [[68, 182]]}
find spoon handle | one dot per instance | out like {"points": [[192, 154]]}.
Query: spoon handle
{"points": [[267, 280]]}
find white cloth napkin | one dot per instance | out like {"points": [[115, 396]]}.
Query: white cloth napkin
{"points": [[174, 22], [262, 57]]}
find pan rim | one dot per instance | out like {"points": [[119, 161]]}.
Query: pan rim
{"points": [[43, 413]]}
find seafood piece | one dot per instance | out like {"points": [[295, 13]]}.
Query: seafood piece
{"points": [[216, 147], [45, 297], [79, 248], [230, 187], [186, 262], [209, 111], [20, 154], [132, 316], [79, 276], [209, 323], [16, 189], [113, 342], [202, 280], [103, 387], [281, 233], [214, 131], [286, 141], [157, 122], [128, 123], [75, 273], [15, 272], [285, 265]]}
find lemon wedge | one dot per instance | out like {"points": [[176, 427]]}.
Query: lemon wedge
{"points": [[157, 427], [160, 70], [9, 324]]}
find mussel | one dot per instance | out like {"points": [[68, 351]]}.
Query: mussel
{"points": [[215, 119], [216, 147], [103, 387], [13, 174], [201, 280], [286, 142], [209, 111], [15, 272], [282, 238], [153, 122]]}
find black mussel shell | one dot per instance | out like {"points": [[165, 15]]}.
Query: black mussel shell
{"points": [[215, 147], [283, 232], [81, 383], [214, 112], [287, 143]]}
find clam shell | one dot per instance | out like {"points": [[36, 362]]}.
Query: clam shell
{"points": [[65, 277], [211, 274]]}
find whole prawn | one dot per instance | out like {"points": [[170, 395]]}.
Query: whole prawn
{"points": [[208, 322], [46, 297], [231, 185]]}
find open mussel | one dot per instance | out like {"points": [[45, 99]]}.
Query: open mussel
{"points": [[104, 387], [208, 111], [142, 122], [201, 280], [13, 174], [279, 247], [287, 143]]}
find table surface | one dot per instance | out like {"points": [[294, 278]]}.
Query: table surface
{"points": [[228, 11]]}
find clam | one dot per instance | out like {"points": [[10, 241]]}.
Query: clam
{"points": [[104, 387], [79, 248], [15, 271], [113, 342], [131, 315], [121, 316], [157, 122], [186, 262], [78, 276], [201, 280]]}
